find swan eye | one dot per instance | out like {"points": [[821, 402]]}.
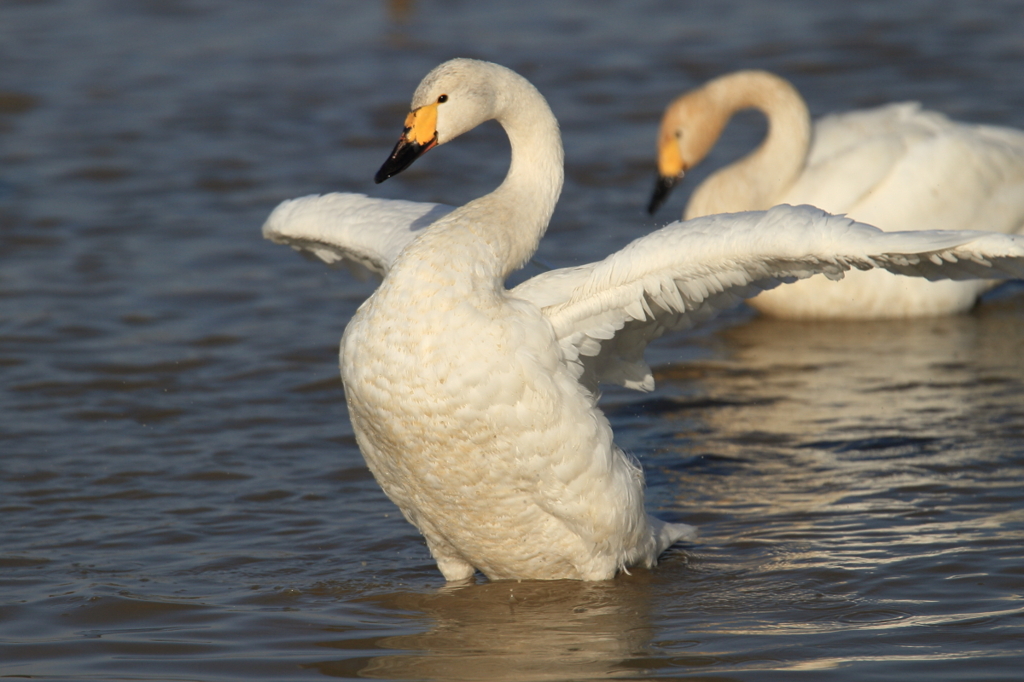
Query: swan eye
{"points": [[679, 134], [442, 99]]}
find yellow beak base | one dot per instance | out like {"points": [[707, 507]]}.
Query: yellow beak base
{"points": [[419, 136]]}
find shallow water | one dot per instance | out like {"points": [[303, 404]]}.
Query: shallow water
{"points": [[180, 490]]}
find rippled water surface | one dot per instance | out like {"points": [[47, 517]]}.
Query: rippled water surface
{"points": [[180, 492]]}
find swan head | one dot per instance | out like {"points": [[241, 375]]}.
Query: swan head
{"points": [[454, 98], [689, 129]]}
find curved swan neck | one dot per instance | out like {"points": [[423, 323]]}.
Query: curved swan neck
{"points": [[525, 200], [500, 231], [757, 180]]}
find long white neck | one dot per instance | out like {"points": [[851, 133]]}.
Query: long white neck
{"points": [[505, 227], [756, 181], [536, 172]]}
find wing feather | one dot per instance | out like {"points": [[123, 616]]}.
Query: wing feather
{"points": [[606, 313], [343, 228]]}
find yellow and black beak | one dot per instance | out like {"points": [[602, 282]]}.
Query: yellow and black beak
{"points": [[419, 135], [671, 170]]}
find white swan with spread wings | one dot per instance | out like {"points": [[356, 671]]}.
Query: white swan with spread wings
{"points": [[475, 406]]}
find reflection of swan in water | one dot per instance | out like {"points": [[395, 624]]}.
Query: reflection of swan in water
{"points": [[837, 379], [527, 631], [853, 469], [821, 440]]}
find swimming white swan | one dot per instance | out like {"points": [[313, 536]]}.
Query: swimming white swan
{"points": [[896, 167], [475, 406]]}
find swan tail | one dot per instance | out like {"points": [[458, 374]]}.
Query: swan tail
{"points": [[667, 534]]}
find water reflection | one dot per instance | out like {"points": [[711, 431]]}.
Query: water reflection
{"points": [[834, 453], [400, 11], [177, 468], [924, 378], [510, 631]]}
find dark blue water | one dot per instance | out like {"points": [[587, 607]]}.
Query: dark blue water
{"points": [[181, 496]]}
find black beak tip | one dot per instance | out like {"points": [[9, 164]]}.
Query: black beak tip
{"points": [[662, 187], [402, 156]]}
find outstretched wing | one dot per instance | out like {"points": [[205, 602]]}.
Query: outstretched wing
{"points": [[350, 228], [606, 313]]}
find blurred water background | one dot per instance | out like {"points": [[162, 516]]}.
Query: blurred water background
{"points": [[181, 497]]}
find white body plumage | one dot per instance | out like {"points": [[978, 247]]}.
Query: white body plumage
{"points": [[475, 407]]}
